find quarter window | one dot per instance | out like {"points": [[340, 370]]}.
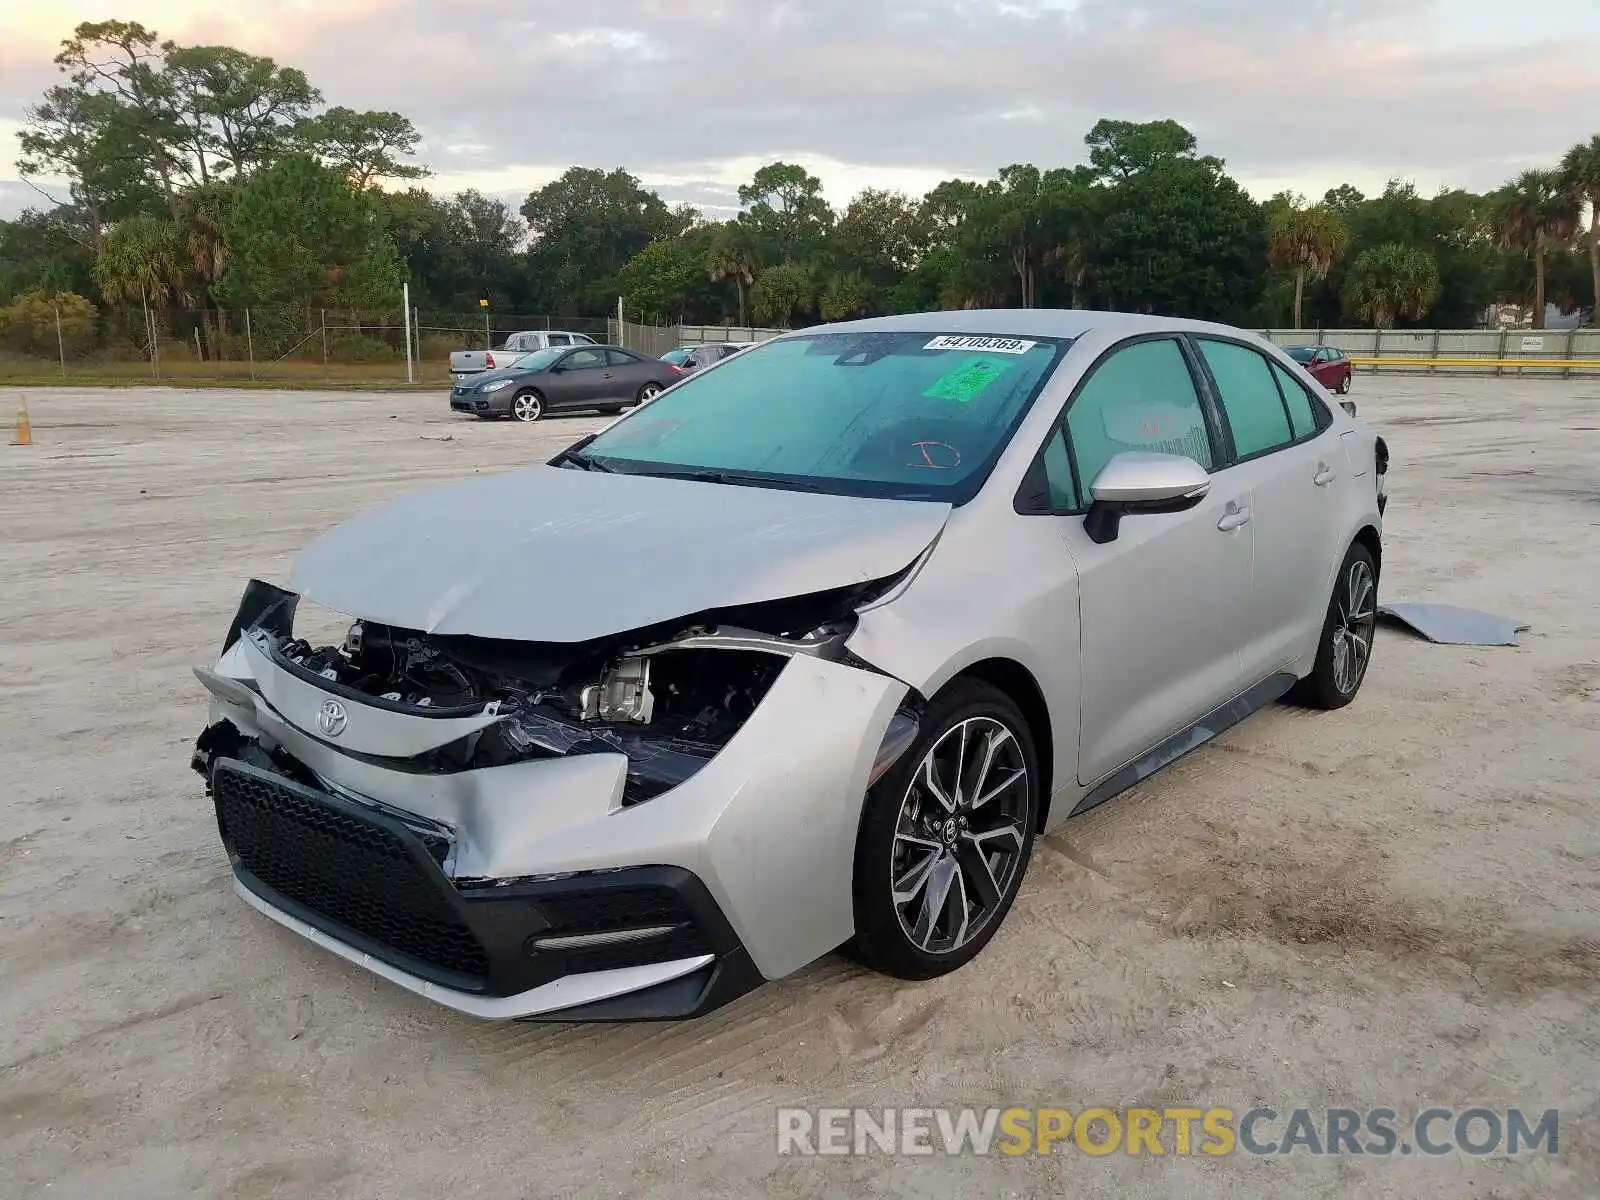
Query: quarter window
{"points": [[1142, 398], [1249, 397], [1302, 408], [618, 358]]}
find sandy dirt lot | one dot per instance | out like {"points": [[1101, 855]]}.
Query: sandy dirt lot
{"points": [[1396, 905]]}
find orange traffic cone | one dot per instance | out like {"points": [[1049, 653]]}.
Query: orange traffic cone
{"points": [[24, 429]]}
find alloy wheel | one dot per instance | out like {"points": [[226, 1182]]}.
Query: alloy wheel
{"points": [[649, 390], [1355, 621], [959, 835], [527, 407]]}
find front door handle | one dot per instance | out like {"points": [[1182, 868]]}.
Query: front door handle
{"points": [[1233, 517], [1325, 475]]}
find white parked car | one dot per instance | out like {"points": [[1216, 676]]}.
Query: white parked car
{"points": [[802, 653], [518, 345]]}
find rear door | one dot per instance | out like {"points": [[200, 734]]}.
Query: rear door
{"points": [[1279, 442], [1159, 605]]}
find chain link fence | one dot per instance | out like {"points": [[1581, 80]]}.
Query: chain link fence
{"points": [[67, 339]]}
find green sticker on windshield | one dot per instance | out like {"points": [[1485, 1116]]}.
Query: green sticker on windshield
{"points": [[967, 380]]}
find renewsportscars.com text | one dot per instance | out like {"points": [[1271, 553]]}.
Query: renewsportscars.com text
{"points": [[1213, 1132]]}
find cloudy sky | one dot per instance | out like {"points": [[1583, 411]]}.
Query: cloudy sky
{"points": [[692, 95]]}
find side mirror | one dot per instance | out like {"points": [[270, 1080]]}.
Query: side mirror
{"points": [[1135, 483]]}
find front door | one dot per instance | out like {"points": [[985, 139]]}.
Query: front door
{"points": [[1160, 605], [583, 381]]}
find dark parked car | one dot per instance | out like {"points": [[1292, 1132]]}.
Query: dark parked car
{"points": [[1329, 365], [603, 378], [694, 358]]}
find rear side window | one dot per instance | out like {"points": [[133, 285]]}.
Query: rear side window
{"points": [[619, 358], [1249, 397], [1302, 408], [1142, 398]]}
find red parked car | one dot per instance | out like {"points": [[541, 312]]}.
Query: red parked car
{"points": [[1329, 365]]}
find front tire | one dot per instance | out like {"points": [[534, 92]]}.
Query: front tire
{"points": [[527, 406], [1345, 648], [946, 835]]}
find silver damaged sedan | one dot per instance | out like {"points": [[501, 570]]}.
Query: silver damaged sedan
{"points": [[803, 653]]}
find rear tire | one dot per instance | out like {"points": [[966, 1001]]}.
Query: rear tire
{"points": [[946, 835], [648, 391], [1344, 386], [1344, 649]]}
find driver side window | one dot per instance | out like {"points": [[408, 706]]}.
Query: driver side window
{"points": [[582, 360], [1141, 398]]}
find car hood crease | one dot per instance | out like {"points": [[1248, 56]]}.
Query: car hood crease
{"points": [[558, 555]]}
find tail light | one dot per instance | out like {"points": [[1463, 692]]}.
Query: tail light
{"points": [[488, 360], [676, 369]]}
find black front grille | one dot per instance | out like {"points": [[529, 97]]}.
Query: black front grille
{"points": [[344, 867]]}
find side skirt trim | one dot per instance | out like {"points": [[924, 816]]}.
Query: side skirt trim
{"points": [[1218, 720]]}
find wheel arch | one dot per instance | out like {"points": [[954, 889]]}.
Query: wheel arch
{"points": [[1017, 682], [1369, 537]]}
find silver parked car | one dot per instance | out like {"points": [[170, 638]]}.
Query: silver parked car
{"points": [[802, 653]]}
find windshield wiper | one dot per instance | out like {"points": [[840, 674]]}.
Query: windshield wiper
{"points": [[736, 478], [574, 456]]}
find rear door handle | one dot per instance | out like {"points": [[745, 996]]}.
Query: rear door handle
{"points": [[1233, 517], [1325, 475]]}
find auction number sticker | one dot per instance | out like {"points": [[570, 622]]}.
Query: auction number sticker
{"points": [[984, 345]]}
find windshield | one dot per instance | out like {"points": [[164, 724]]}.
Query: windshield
{"points": [[539, 360], [907, 415], [1301, 354]]}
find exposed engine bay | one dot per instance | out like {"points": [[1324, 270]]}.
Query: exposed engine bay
{"points": [[669, 700]]}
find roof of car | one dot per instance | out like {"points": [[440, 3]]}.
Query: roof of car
{"points": [[1023, 322]]}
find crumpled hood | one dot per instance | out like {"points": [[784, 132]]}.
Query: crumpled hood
{"points": [[559, 555]]}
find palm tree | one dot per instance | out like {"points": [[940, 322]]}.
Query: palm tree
{"points": [[142, 256], [1532, 212], [732, 257], [1580, 179], [1307, 241], [1391, 281]]}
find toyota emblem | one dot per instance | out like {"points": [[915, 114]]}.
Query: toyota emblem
{"points": [[331, 718]]}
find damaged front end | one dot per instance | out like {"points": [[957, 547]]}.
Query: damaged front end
{"points": [[486, 777], [668, 699]]}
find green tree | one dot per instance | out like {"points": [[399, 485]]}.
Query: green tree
{"points": [[237, 111], [1180, 238], [1119, 150], [731, 257], [1306, 241], [1580, 179], [42, 252], [141, 257], [881, 235], [1391, 281], [1534, 211], [845, 296], [659, 278], [365, 147], [786, 213], [300, 234], [585, 225], [47, 323], [781, 293]]}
